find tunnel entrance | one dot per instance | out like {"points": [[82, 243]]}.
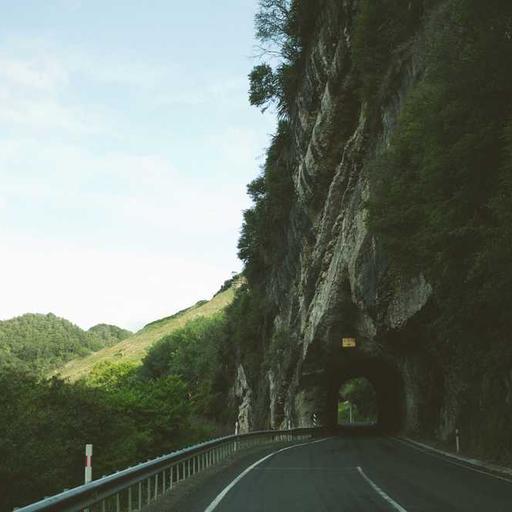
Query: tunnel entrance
{"points": [[371, 389], [357, 403]]}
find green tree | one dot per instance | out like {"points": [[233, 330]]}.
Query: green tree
{"points": [[192, 354], [38, 343], [45, 424]]}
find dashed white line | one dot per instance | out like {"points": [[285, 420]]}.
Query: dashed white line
{"points": [[213, 505], [308, 469], [380, 492]]}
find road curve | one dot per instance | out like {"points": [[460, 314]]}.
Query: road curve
{"points": [[358, 473]]}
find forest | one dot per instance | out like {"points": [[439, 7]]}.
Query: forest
{"points": [[129, 412], [37, 343]]}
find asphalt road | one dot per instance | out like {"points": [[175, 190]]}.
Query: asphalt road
{"points": [[352, 473]]}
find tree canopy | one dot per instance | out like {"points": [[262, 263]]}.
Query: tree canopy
{"points": [[38, 343]]}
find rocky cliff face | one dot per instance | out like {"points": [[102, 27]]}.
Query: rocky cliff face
{"points": [[335, 280]]}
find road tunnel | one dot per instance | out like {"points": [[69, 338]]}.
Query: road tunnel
{"points": [[378, 388]]}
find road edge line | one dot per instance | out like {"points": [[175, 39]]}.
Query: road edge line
{"points": [[213, 505], [456, 460], [380, 492]]}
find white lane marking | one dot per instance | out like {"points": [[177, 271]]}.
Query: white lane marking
{"points": [[380, 492], [323, 470], [446, 458], [213, 505]]}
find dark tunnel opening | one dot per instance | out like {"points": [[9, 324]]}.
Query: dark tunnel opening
{"points": [[372, 390]]}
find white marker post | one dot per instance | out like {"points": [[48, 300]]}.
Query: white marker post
{"points": [[237, 432], [88, 463], [457, 440]]}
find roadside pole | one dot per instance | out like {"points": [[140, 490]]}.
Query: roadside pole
{"points": [[457, 440], [88, 463], [237, 432]]}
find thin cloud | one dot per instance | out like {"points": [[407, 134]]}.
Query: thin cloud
{"points": [[115, 206]]}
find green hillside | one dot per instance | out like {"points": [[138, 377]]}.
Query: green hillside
{"points": [[109, 334], [38, 343], [135, 347]]}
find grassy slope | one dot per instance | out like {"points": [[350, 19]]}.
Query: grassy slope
{"points": [[134, 348]]}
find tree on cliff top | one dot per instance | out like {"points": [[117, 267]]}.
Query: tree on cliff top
{"points": [[283, 28]]}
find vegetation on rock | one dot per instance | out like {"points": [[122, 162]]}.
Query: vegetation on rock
{"points": [[440, 187], [283, 29]]}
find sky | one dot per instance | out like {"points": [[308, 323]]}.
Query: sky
{"points": [[126, 144]]}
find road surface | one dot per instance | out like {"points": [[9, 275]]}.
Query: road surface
{"points": [[352, 473]]}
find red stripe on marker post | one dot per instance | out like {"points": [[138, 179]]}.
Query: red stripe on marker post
{"points": [[88, 463]]}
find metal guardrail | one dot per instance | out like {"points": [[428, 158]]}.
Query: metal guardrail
{"points": [[133, 488]]}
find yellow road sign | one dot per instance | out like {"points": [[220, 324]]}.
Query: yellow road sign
{"points": [[348, 342]]}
